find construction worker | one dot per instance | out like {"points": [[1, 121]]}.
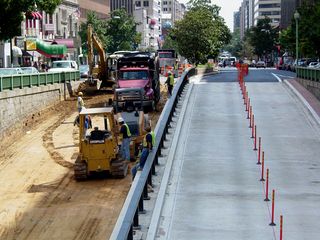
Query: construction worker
{"points": [[170, 82], [147, 146], [80, 102], [126, 139]]}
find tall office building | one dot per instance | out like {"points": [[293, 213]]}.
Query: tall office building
{"points": [[244, 17], [270, 9], [126, 4], [100, 7], [236, 20], [288, 7]]}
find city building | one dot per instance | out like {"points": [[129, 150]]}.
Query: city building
{"points": [[128, 5], [100, 7], [236, 20], [150, 24], [270, 9], [288, 7], [244, 17]]}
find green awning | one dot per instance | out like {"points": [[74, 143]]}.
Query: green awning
{"points": [[48, 50]]}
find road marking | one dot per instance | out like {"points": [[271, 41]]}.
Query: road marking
{"points": [[284, 76], [279, 79]]}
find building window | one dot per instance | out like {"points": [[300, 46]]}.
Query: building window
{"points": [[138, 4], [165, 9], [146, 3], [165, 2]]}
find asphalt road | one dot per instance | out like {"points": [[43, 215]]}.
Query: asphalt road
{"points": [[229, 74], [215, 191]]}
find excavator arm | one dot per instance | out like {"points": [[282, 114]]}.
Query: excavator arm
{"points": [[94, 42]]}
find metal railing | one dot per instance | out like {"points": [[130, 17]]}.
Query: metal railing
{"points": [[129, 216], [28, 80], [309, 73]]}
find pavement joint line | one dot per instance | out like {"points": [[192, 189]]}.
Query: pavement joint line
{"points": [[303, 100], [166, 175], [277, 77]]}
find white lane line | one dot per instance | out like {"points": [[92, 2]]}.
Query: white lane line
{"points": [[279, 79], [285, 76]]}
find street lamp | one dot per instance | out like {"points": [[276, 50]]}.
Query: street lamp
{"points": [[296, 17]]}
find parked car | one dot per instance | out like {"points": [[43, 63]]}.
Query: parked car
{"points": [[261, 64], [28, 70], [10, 71], [63, 66], [84, 71], [313, 64]]}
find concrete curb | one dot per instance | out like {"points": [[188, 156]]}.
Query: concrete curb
{"points": [[165, 179], [303, 100]]}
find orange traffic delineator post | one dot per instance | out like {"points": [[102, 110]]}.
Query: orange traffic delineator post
{"points": [[250, 122], [272, 210], [267, 187], [281, 226], [259, 151], [252, 126], [248, 108], [255, 138], [262, 167]]}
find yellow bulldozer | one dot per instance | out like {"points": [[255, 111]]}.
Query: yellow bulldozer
{"points": [[99, 145]]}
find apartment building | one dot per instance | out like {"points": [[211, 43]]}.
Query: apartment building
{"points": [[236, 20], [150, 10], [244, 17], [267, 8], [128, 5]]}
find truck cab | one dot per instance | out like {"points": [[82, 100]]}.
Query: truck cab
{"points": [[140, 70]]}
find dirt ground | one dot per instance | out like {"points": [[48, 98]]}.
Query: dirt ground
{"points": [[39, 197]]}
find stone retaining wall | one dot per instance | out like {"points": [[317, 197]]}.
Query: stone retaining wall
{"points": [[18, 107]]}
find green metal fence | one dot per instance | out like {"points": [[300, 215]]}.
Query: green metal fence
{"points": [[28, 80], [312, 74]]}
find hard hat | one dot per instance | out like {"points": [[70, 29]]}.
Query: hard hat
{"points": [[120, 120], [80, 93], [169, 72]]}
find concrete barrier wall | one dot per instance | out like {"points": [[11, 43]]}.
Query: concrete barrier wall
{"points": [[16, 106], [311, 86]]}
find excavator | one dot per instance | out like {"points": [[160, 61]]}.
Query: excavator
{"points": [[100, 72]]}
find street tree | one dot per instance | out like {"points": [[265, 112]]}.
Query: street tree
{"points": [[121, 32], [263, 37], [201, 33], [12, 14], [99, 27], [309, 31], [235, 45]]}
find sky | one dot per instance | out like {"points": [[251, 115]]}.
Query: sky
{"points": [[228, 7]]}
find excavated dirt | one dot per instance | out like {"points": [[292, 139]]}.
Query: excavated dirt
{"points": [[39, 197]]}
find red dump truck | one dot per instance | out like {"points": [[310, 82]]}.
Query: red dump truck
{"points": [[139, 70], [167, 58]]}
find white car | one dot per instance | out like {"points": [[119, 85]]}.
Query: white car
{"points": [[63, 66], [313, 65]]}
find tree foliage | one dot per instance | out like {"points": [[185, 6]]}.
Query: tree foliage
{"points": [[117, 33], [99, 26], [309, 32], [201, 33], [235, 45], [121, 30], [12, 12], [263, 37]]}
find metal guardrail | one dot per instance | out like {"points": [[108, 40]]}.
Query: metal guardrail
{"points": [[28, 80], [312, 74], [129, 216]]}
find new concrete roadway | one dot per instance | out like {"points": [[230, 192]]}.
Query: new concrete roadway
{"points": [[214, 190]]}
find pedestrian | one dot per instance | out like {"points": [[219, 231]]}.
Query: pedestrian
{"points": [[80, 102], [126, 139], [170, 82]]}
